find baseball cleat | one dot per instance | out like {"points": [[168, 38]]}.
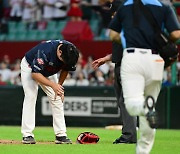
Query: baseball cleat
{"points": [[152, 115], [122, 140], [28, 140], [62, 140]]}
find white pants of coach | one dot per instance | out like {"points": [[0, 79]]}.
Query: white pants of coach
{"points": [[30, 87], [141, 74]]}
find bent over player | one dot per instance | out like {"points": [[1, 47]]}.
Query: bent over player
{"points": [[40, 66]]}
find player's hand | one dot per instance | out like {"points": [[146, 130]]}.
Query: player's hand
{"points": [[98, 62], [62, 97], [58, 89]]}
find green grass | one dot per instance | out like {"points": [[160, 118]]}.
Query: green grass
{"points": [[166, 142]]}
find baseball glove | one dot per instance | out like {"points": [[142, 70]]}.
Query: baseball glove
{"points": [[87, 138], [170, 54]]}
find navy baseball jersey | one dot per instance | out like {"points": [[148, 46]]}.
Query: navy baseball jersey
{"points": [[143, 35], [43, 58]]}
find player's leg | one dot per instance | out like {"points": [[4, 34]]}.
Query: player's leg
{"points": [[30, 88], [134, 95], [133, 75], [151, 94], [57, 113], [133, 83], [137, 72], [146, 138], [147, 134], [129, 122]]}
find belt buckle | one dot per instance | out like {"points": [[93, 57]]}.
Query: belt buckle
{"points": [[143, 51]]}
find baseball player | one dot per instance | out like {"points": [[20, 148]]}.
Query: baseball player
{"points": [[142, 66], [40, 66]]}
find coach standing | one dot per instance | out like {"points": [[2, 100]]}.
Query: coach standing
{"points": [[129, 123], [40, 67], [142, 67]]}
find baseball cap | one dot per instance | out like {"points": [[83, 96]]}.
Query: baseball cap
{"points": [[70, 55]]}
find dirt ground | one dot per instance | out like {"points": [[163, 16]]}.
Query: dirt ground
{"points": [[19, 142]]}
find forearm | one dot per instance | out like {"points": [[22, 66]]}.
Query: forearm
{"points": [[175, 35], [62, 76], [108, 58], [41, 79]]}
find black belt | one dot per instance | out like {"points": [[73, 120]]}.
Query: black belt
{"points": [[133, 50]]}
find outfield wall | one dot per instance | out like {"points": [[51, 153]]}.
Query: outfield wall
{"points": [[85, 106], [97, 49], [18, 49]]}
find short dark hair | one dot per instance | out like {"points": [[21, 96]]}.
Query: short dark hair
{"points": [[70, 54]]}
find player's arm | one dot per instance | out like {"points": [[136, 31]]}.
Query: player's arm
{"points": [[172, 24], [101, 61], [175, 35], [58, 89], [62, 76], [114, 36], [37, 66], [115, 27]]}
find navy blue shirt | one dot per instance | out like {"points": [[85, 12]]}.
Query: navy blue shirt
{"points": [[43, 58], [143, 36]]}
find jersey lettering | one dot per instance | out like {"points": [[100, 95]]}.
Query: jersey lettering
{"points": [[35, 66]]}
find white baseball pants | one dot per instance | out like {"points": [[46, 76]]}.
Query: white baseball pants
{"points": [[141, 74], [30, 87]]}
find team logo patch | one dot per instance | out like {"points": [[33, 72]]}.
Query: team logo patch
{"points": [[51, 63], [40, 61]]}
